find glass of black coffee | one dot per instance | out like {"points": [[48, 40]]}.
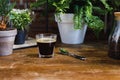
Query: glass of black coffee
{"points": [[46, 43]]}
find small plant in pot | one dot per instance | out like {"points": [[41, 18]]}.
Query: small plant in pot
{"points": [[79, 14], [7, 35], [20, 19]]}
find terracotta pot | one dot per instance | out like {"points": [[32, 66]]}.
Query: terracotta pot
{"points": [[7, 41]]}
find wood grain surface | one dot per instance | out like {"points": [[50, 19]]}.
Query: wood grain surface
{"points": [[24, 64]]}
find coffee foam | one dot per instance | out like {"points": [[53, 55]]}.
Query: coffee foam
{"points": [[46, 40]]}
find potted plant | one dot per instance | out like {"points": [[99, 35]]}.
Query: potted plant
{"points": [[20, 19], [79, 15], [7, 35]]}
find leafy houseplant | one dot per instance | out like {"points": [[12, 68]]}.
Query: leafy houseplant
{"points": [[5, 9], [7, 35], [20, 19], [84, 11]]}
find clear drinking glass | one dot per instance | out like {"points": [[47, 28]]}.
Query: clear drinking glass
{"points": [[46, 43]]}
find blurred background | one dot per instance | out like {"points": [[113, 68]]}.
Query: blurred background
{"points": [[39, 23]]}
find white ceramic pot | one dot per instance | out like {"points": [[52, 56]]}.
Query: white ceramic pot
{"points": [[68, 34], [6, 41]]}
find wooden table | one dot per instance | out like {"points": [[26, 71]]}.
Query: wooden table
{"points": [[24, 64]]}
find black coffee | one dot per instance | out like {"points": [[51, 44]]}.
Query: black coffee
{"points": [[46, 46]]}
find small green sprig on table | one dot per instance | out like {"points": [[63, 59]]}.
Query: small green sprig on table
{"points": [[65, 52]]}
